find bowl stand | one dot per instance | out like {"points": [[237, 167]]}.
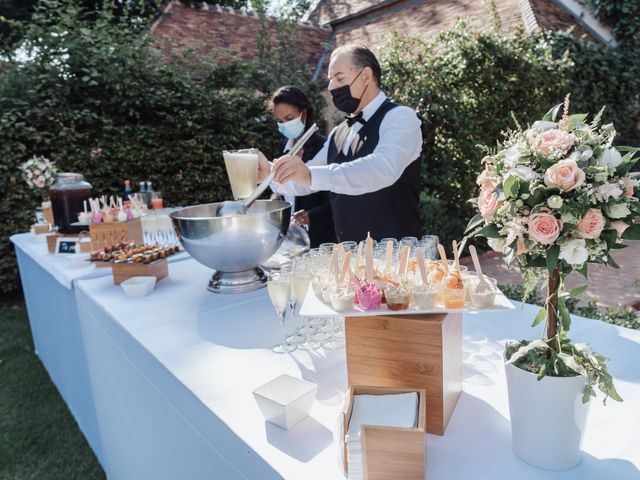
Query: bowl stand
{"points": [[238, 282]]}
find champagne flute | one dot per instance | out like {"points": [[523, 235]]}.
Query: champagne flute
{"points": [[301, 281], [279, 289]]}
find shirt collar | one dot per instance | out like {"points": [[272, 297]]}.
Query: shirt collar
{"points": [[373, 105]]}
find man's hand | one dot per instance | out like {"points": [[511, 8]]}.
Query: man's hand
{"points": [[301, 217], [290, 168], [263, 166]]}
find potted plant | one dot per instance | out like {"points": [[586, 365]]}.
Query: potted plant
{"points": [[555, 197]]}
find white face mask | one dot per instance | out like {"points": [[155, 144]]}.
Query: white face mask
{"points": [[291, 129]]}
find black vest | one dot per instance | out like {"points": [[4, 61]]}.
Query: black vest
{"points": [[391, 212]]}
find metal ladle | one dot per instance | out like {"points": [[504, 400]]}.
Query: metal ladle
{"points": [[232, 208]]}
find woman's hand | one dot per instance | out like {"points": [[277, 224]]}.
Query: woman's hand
{"points": [[301, 217]]}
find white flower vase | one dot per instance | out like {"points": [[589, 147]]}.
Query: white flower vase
{"points": [[548, 418]]}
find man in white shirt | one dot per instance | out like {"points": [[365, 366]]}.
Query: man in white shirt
{"points": [[370, 163]]}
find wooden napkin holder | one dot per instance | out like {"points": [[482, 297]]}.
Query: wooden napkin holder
{"points": [[123, 271], [108, 234], [409, 351], [40, 228], [388, 452]]}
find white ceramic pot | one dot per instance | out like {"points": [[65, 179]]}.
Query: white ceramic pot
{"points": [[548, 418]]}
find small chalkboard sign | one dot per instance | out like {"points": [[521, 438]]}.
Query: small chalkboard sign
{"points": [[66, 245]]}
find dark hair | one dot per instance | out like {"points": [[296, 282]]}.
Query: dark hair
{"points": [[293, 96], [361, 57]]}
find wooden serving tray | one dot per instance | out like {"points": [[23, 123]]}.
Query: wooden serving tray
{"points": [[123, 271]]}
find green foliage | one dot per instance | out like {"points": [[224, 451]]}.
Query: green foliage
{"points": [[465, 84], [95, 85], [570, 360], [615, 314], [624, 18]]}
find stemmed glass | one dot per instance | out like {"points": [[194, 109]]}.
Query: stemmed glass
{"points": [[430, 245], [301, 281], [279, 288]]}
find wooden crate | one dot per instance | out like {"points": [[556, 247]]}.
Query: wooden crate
{"points": [[409, 351], [122, 271], [107, 234], [389, 452]]}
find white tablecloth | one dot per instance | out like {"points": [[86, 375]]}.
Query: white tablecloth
{"points": [[35, 246], [172, 376]]}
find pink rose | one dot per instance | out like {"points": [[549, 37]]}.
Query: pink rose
{"points": [[592, 224], [544, 228], [486, 178], [566, 175], [488, 201], [555, 142], [619, 227]]}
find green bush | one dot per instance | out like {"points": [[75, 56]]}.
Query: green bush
{"points": [[615, 314], [465, 84], [95, 85]]}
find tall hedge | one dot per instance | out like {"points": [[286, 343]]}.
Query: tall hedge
{"points": [[94, 98], [466, 85]]}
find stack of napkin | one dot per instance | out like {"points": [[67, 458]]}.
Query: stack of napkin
{"points": [[396, 410]]}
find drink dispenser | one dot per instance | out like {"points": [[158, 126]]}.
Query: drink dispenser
{"points": [[68, 193]]}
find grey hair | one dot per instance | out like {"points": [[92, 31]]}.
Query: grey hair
{"points": [[361, 57]]}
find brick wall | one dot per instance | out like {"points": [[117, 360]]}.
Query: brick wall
{"points": [[551, 17], [222, 34], [424, 19]]}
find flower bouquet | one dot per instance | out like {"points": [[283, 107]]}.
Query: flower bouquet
{"points": [[38, 172], [557, 196]]}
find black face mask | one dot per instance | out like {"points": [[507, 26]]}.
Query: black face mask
{"points": [[343, 100]]}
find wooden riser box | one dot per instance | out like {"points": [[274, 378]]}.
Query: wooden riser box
{"points": [[409, 351], [122, 271]]}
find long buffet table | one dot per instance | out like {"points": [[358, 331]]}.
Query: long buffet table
{"points": [[161, 386]]}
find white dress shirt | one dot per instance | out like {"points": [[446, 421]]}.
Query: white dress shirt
{"points": [[399, 144]]}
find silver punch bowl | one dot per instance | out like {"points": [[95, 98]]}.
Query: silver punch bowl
{"points": [[234, 247]]}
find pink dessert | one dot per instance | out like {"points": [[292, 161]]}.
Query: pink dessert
{"points": [[129, 213], [369, 296], [97, 218]]}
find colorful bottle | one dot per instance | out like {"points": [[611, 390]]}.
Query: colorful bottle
{"points": [[127, 190]]}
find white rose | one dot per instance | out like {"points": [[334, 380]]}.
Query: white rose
{"points": [[574, 252], [523, 173], [618, 210], [554, 201], [511, 156], [542, 125], [497, 244], [610, 158]]}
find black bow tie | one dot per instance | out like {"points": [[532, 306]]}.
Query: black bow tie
{"points": [[356, 118]]}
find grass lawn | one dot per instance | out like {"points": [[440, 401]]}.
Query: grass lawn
{"points": [[39, 439]]}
